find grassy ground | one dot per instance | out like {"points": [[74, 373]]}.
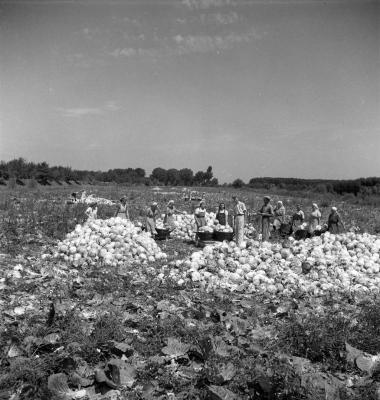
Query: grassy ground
{"points": [[178, 342]]}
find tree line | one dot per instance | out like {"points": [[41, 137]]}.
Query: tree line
{"points": [[19, 169], [366, 186]]}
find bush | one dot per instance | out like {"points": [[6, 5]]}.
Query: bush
{"points": [[238, 183], [12, 183], [32, 184]]}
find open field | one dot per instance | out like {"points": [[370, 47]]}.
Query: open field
{"points": [[134, 331]]}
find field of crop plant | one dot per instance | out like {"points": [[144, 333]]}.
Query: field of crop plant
{"points": [[99, 310]]}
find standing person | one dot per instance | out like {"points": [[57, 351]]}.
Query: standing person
{"points": [[266, 213], [169, 215], [314, 218], [222, 215], [239, 219], [200, 215], [298, 218], [334, 221], [151, 216], [92, 212], [74, 197], [279, 215], [83, 196], [122, 209]]}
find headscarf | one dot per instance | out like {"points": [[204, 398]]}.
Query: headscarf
{"points": [[170, 202], [154, 204], [202, 202], [315, 205], [279, 204], [334, 209]]}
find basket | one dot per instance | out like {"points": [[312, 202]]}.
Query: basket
{"points": [[205, 236], [301, 234], [286, 229], [320, 232], [162, 234], [221, 236]]}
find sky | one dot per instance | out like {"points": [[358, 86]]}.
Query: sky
{"points": [[281, 88]]}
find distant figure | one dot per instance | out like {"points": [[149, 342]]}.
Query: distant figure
{"points": [[83, 195], [169, 215], [122, 209], [200, 215], [222, 214], [240, 211], [298, 218], [92, 212], [74, 197], [266, 213], [151, 216], [334, 221], [279, 215], [314, 218]]}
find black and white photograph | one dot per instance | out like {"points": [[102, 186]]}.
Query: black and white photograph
{"points": [[189, 200]]}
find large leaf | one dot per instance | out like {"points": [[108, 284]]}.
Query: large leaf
{"points": [[227, 372], [220, 347], [175, 348], [57, 384], [365, 362], [101, 377], [221, 393], [78, 381], [322, 386], [122, 373]]}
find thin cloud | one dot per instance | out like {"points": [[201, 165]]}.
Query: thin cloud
{"points": [[205, 44], [87, 111], [205, 4], [187, 44], [220, 18]]}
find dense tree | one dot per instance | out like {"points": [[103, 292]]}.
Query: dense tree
{"points": [[186, 175], [172, 177], [160, 175], [238, 183], [199, 178]]}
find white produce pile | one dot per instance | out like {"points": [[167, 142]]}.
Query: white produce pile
{"points": [[93, 199], [337, 263], [185, 228], [113, 241]]}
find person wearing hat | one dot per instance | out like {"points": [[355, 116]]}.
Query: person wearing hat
{"points": [[266, 213], [334, 221], [151, 216], [169, 215], [200, 215], [122, 209], [314, 218], [92, 211], [298, 218], [240, 211]]}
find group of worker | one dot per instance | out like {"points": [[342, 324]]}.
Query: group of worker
{"points": [[273, 219], [298, 219]]}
